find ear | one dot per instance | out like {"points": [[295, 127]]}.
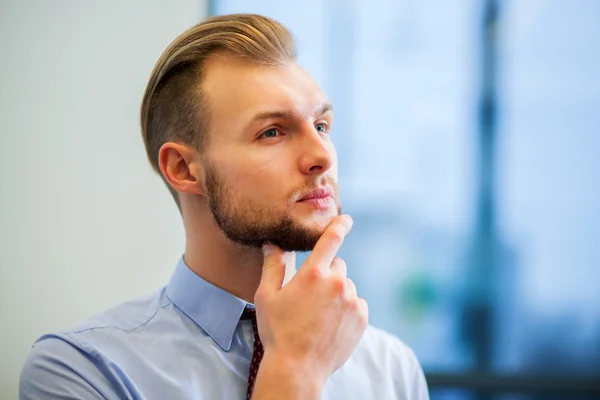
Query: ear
{"points": [[180, 165]]}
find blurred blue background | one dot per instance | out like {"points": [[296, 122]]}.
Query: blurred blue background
{"points": [[469, 141]]}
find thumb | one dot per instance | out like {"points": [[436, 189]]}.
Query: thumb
{"points": [[273, 270]]}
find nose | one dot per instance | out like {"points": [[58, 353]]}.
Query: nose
{"points": [[317, 153]]}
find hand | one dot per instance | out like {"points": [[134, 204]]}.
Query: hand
{"points": [[314, 322]]}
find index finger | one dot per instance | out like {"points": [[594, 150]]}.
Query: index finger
{"points": [[330, 242]]}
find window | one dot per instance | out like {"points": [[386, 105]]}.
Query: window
{"points": [[469, 142]]}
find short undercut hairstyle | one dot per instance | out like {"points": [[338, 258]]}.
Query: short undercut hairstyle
{"points": [[174, 109]]}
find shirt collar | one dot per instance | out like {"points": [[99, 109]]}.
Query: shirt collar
{"points": [[216, 311]]}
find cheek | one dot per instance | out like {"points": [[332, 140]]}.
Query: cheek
{"points": [[268, 180], [334, 163], [252, 180], [334, 172]]}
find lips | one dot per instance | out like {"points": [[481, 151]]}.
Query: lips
{"points": [[321, 193]]}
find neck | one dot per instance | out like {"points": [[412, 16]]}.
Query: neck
{"points": [[211, 255]]}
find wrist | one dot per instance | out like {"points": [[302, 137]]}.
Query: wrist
{"points": [[279, 373]]}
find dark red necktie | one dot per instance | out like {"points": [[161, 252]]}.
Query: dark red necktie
{"points": [[257, 353]]}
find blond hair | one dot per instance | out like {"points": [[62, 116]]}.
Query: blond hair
{"points": [[173, 107]]}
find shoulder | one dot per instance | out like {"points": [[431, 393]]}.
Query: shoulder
{"points": [[380, 341], [126, 316], [112, 327], [73, 363], [56, 369], [388, 353]]}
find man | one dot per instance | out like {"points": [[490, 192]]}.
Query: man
{"points": [[240, 134]]}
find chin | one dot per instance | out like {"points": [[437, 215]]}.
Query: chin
{"points": [[318, 223]]}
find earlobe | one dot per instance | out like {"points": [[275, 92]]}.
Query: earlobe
{"points": [[180, 166]]}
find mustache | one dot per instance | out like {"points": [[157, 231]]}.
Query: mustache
{"points": [[313, 185]]}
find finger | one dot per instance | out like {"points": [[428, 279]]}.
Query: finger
{"points": [[351, 289], [364, 309], [330, 242], [273, 270], [338, 266]]}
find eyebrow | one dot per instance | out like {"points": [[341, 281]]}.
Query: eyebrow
{"points": [[319, 112]]}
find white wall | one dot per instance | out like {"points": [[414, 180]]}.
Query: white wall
{"points": [[85, 223]]}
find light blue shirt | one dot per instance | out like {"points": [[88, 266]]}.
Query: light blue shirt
{"points": [[187, 342]]}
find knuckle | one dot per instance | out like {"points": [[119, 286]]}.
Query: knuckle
{"points": [[354, 305], [364, 322], [351, 287], [339, 285], [364, 312], [314, 274], [339, 262], [364, 304]]}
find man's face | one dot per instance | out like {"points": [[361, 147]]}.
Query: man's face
{"points": [[271, 168]]}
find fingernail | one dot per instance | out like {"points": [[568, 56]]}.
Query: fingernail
{"points": [[267, 249]]}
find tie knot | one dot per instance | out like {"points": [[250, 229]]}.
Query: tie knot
{"points": [[249, 313]]}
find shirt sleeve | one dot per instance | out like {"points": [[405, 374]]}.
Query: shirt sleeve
{"points": [[418, 387], [409, 379], [56, 369]]}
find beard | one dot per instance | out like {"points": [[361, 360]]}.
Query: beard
{"points": [[254, 224]]}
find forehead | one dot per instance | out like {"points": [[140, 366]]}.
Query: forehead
{"points": [[238, 90]]}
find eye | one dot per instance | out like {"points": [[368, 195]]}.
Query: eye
{"points": [[270, 133], [321, 128]]}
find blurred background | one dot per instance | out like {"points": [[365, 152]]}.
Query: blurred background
{"points": [[469, 141]]}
